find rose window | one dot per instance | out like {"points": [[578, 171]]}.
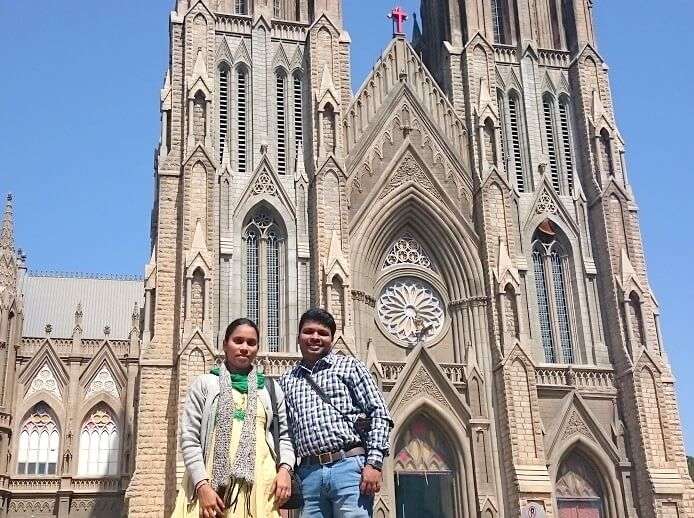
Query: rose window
{"points": [[408, 307]]}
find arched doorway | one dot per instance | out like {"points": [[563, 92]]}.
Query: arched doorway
{"points": [[579, 488], [426, 474]]}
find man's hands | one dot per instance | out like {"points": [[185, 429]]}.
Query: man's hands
{"points": [[370, 480], [211, 505], [282, 486]]}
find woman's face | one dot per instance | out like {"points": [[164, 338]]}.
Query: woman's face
{"points": [[241, 348]]}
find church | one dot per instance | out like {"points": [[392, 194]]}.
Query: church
{"points": [[466, 215]]}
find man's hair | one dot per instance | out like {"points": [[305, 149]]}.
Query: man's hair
{"points": [[320, 316]]}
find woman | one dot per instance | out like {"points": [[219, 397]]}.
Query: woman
{"points": [[226, 439]]}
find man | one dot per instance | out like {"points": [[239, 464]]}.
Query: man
{"points": [[339, 422]]}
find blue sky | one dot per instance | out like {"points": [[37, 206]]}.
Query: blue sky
{"points": [[79, 122]]}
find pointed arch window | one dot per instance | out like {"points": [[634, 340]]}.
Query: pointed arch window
{"points": [[242, 120], [565, 126], [515, 125], [240, 6], [99, 444], [39, 442], [549, 116], [606, 152], [552, 285], [489, 142], [502, 110], [223, 89], [281, 103], [265, 244], [199, 117], [579, 488], [499, 21], [328, 129]]}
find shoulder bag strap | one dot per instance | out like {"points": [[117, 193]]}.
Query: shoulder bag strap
{"points": [[321, 394], [275, 417]]}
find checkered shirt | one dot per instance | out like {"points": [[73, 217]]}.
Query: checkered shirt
{"points": [[316, 426]]}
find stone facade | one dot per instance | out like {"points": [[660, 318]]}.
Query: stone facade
{"points": [[467, 217]]}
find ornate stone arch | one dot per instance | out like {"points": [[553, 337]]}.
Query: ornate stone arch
{"points": [[457, 460], [41, 420], [603, 467], [99, 441]]}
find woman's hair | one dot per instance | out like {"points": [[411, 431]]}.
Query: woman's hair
{"points": [[238, 323]]}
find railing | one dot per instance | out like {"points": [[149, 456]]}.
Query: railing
{"points": [[234, 24], [505, 54], [38, 483], [276, 364], [285, 30], [587, 379], [455, 372], [63, 346], [554, 58], [93, 485]]}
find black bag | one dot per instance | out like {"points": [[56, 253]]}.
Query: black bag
{"points": [[296, 500]]}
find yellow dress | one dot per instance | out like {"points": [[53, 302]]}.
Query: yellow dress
{"points": [[262, 501]]}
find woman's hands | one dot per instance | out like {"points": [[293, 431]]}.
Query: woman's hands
{"points": [[211, 505], [282, 486]]}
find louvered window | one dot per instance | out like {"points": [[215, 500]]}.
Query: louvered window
{"points": [[281, 81], [241, 6], [502, 111], [223, 108], [298, 113], [516, 149], [273, 291], [566, 139], [498, 21], [242, 116], [252, 302], [543, 307], [550, 136]]}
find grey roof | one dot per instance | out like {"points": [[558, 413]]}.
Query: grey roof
{"points": [[53, 299]]}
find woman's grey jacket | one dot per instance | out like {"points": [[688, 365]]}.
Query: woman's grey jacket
{"points": [[197, 425]]}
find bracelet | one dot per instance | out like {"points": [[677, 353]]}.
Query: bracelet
{"points": [[287, 467], [200, 484]]}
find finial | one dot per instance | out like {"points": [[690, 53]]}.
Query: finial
{"points": [[398, 15], [107, 330]]}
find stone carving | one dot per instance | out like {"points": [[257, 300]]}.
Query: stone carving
{"points": [[408, 305], [422, 386], [545, 204], [576, 425], [264, 185], [34, 505], [410, 171], [407, 250], [45, 380], [103, 382]]}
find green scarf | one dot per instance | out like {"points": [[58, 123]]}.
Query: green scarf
{"points": [[240, 381]]}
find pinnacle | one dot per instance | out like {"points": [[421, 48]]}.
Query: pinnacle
{"points": [[7, 232]]}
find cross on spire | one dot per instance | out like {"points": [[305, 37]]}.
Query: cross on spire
{"points": [[398, 15]]}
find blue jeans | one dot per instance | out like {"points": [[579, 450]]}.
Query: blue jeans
{"points": [[332, 490]]}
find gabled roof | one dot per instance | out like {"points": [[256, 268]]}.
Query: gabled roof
{"points": [[105, 301], [411, 71]]}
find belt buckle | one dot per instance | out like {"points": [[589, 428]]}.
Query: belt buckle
{"points": [[327, 456]]}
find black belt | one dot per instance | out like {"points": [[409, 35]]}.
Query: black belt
{"points": [[333, 456]]}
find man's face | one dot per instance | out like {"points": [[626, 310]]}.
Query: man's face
{"points": [[315, 341]]}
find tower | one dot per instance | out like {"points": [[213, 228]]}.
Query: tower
{"points": [[545, 146], [230, 225]]}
